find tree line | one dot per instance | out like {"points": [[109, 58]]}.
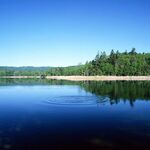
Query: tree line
{"points": [[126, 63], [116, 63]]}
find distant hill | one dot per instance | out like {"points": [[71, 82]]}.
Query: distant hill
{"points": [[116, 63], [25, 68]]}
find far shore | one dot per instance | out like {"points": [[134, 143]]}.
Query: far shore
{"points": [[85, 78]]}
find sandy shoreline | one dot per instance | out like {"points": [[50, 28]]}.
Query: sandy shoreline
{"points": [[86, 78], [99, 78]]}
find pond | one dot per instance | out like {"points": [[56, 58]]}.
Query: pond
{"points": [[50, 114]]}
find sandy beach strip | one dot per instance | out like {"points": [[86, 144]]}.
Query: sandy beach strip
{"points": [[100, 78], [85, 78]]}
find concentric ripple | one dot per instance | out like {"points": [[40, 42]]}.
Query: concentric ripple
{"points": [[73, 100]]}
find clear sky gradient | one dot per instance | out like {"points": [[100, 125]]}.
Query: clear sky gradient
{"points": [[67, 32]]}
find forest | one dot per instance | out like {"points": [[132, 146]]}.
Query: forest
{"points": [[116, 63]]}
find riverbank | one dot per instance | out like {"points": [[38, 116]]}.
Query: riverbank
{"points": [[86, 78], [100, 78]]}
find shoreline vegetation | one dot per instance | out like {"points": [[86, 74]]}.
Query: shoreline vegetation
{"points": [[117, 66], [84, 78]]}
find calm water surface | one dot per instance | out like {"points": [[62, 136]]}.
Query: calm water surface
{"points": [[49, 115]]}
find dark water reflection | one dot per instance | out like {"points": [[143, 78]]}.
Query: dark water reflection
{"points": [[49, 114]]}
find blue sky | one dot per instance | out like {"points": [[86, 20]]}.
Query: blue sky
{"points": [[67, 32]]}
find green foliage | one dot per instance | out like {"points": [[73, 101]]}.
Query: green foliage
{"points": [[123, 64], [120, 64]]}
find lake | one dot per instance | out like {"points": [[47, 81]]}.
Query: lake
{"points": [[50, 114]]}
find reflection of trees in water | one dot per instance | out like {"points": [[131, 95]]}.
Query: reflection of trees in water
{"points": [[34, 81], [112, 91], [120, 90]]}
